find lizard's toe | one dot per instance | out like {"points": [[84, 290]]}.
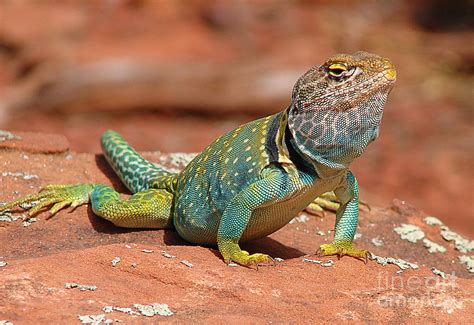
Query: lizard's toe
{"points": [[252, 261], [327, 201], [258, 259], [341, 249], [58, 196]]}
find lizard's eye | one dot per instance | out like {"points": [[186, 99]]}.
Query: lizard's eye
{"points": [[337, 70]]}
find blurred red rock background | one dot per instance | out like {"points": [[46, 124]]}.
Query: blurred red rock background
{"points": [[174, 75]]}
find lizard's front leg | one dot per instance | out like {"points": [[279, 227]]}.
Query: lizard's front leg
{"points": [[236, 217], [346, 222]]}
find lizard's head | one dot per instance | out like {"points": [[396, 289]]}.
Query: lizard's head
{"points": [[343, 82], [337, 107]]}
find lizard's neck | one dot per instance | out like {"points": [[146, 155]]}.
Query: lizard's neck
{"points": [[331, 139]]}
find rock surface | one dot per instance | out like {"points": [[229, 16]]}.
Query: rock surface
{"points": [[159, 277]]}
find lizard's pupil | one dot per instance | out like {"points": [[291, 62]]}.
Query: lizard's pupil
{"points": [[336, 72]]}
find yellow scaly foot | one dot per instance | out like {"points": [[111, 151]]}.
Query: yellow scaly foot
{"points": [[252, 261], [59, 196], [341, 249], [231, 252], [328, 201]]}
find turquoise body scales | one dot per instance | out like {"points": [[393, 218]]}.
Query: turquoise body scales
{"points": [[253, 180]]}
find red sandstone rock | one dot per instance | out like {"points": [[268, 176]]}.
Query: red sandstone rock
{"points": [[79, 247], [36, 142]]}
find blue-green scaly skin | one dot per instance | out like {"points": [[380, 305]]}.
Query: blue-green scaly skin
{"points": [[234, 190], [136, 172], [239, 188], [253, 180]]}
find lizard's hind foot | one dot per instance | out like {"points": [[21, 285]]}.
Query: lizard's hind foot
{"points": [[59, 196], [328, 202]]}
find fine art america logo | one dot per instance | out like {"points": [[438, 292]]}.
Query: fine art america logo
{"points": [[415, 292]]}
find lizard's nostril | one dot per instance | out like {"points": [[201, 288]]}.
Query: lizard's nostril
{"points": [[390, 74], [389, 71]]}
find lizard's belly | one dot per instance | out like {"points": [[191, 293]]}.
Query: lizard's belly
{"points": [[201, 225], [266, 220]]}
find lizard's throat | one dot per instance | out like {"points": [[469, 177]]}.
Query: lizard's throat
{"points": [[335, 138]]}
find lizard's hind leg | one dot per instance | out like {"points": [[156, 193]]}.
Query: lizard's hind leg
{"points": [[147, 209]]}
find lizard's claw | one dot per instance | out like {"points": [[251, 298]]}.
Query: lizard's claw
{"points": [[341, 249], [57, 195], [365, 204]]}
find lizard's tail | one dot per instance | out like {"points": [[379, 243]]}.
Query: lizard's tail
{"points": [[136, 172]]}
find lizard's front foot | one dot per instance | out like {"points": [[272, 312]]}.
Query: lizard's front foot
{"points": [[57, 195], [252, 261], [341, 249], [231, 252]]}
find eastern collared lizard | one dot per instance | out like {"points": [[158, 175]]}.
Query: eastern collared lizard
{"points": [[253, 180]]}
